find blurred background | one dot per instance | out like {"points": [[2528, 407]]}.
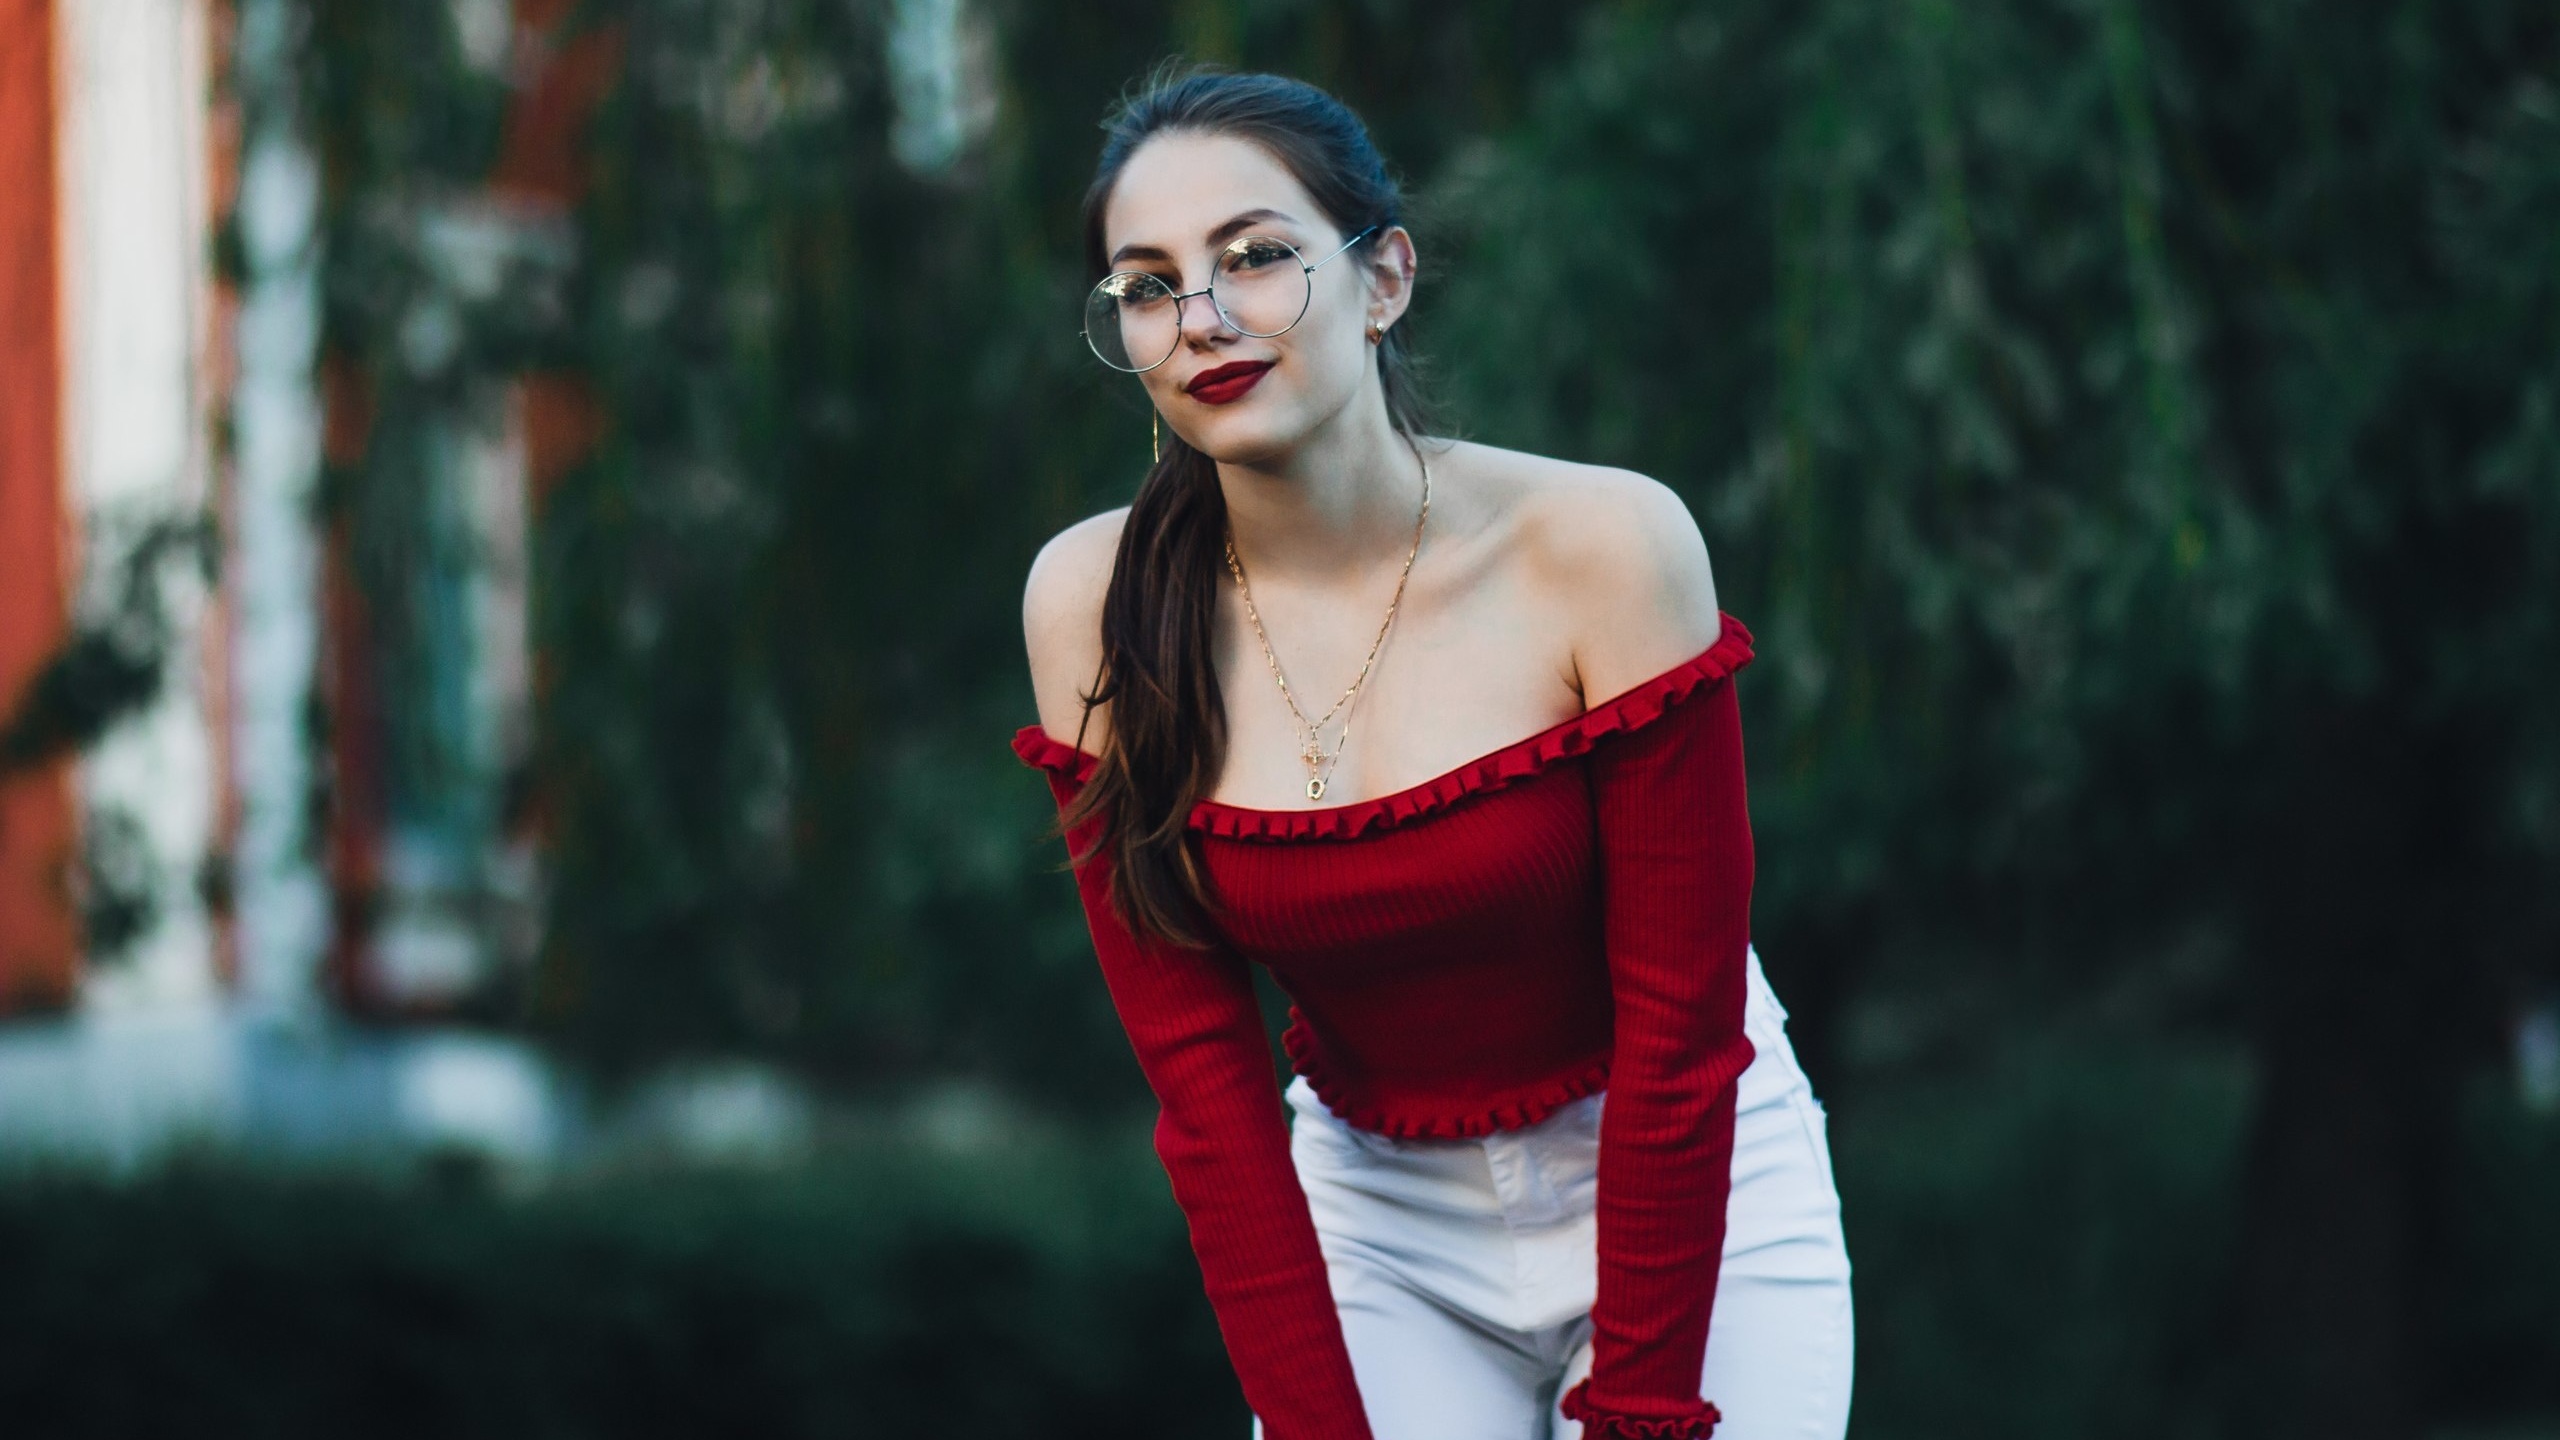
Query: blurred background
{"points": [[517, 916]]}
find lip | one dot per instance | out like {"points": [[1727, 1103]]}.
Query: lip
{"points": [[1227, 383]]}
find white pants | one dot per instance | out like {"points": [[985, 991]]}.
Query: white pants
{"points": [[1464, 1269]]}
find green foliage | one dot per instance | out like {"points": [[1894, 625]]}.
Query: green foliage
{"points": [[113, 662], [2496, 1309], [2033, 1239], [890, 1292], [109, 668], [2061, 495]]}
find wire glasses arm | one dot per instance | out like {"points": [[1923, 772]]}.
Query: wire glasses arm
{"points": [[1347, 244]]}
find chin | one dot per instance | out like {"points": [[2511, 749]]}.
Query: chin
{"points": [[1244, 439]]}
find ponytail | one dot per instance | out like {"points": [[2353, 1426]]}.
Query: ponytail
{"points": [[1168, 737]]}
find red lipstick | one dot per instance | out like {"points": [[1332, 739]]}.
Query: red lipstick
{"points": [[1227, 383]]}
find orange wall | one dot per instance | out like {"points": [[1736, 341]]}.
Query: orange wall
{"points": [[218, 368], [542, 166], [38, 939]]}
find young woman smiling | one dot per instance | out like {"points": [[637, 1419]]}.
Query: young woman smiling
{"points": [[1445, 736]]}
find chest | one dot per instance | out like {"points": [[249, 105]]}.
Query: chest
{"points": [[1471, 875], [1453, 681]]}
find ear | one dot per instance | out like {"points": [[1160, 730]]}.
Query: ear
{"points": [[1389, 272]]}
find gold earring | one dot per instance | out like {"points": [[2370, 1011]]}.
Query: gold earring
{"points": [[1375, 333], [1155, 433]]}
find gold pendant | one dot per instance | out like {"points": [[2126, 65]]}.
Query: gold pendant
{"points": [[1315, 789]]}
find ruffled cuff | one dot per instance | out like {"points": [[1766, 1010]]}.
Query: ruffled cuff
{"points": [[1601, 1423]]}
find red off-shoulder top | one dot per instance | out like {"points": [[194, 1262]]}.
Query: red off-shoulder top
{"points": [[1567, 912]]}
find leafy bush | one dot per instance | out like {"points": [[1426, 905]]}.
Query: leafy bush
{"points": [[2035, 1239], [871, 1295]]}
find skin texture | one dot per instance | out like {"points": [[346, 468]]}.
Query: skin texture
{"points": [[1543, 587]]}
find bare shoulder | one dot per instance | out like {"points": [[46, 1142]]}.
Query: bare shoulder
{"points": [[1620, 555], [1062, 620]]}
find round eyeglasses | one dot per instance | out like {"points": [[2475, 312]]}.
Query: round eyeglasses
{"points": [[1260, 287]]}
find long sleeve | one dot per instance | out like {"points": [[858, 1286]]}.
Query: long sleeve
{"points": [[1676, 869], [1221, 1133]]}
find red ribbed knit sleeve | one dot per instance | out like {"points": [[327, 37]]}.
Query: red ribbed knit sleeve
{"points": [[1224, 1140], [1675, 862]]}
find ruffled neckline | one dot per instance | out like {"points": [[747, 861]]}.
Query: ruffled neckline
{"points": [[1630, 709]]}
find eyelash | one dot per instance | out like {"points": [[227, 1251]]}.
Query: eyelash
{"points": [[1174, 279]]}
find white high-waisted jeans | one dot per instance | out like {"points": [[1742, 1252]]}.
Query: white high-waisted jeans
{"points": [[1464, 1269]]}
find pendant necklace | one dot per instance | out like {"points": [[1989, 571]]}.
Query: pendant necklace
{"points": [[1311, 749]]}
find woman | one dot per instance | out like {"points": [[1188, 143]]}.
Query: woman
{"points": [[1553, 1170]]}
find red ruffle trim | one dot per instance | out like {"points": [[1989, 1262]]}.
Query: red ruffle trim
{"points": [[1042, 753], [1525, 1109], [1629, 710], [1599, 1424]]}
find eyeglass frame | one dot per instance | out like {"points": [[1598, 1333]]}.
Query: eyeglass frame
{"points": [[1223, 317]]}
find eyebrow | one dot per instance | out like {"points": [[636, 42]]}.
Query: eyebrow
{"points": [[1225, 231]]}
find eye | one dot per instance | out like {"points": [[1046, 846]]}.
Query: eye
{"points": [[1134, 288], [1256, 251]]}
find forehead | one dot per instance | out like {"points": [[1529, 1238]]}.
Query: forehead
{"points": [[1176, 186]]}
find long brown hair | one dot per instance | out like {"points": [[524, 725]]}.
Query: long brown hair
{"points": [[1168, 737]]}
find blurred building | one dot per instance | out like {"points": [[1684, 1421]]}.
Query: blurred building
{"points": [[120, 365], [209, 836], [268, 837]]}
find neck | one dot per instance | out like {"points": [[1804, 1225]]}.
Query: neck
{"points": [[1331, 506]]}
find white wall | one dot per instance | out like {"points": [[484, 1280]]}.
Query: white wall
{"points": [[134, 287]]}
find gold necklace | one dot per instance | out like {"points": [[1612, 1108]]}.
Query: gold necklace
{"points": [[1311, 751]]}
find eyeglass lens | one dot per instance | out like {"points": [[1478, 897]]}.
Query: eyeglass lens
{"points": [[1133, 320]]}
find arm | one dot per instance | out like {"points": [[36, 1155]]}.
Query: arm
{"points": [[1676, 870], [1197, 1032], [1676, 867]]}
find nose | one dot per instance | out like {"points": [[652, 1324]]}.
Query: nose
{"points": [[1201, 322]]}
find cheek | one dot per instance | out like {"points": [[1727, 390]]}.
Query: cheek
{"points": [[1332, 361]]}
